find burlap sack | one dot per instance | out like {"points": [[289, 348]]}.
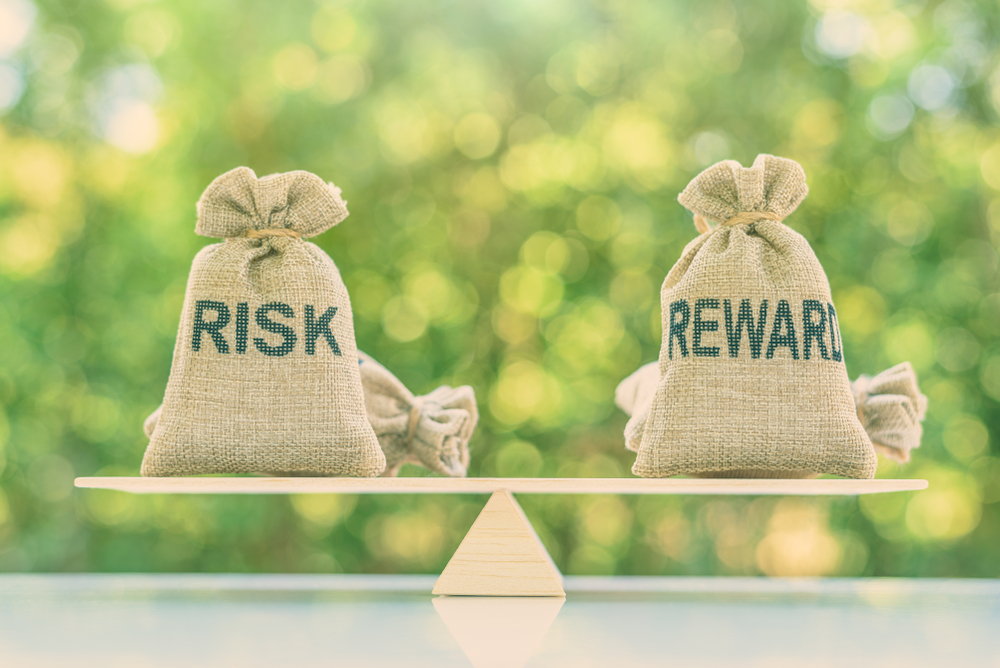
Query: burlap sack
{"points": [[432, 430], [265, 374], [752, 376], [890, 407]]}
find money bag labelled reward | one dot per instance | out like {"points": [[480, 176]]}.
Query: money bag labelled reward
{"points": [[752, 380], [432, 430], [265, 373], [890, 407]]}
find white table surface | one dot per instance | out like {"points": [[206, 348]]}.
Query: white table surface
{"points": [[349, 620]]}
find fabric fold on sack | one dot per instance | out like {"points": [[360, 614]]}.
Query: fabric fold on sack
{"points": [[634, 396], [432, 430], [265, 372], [752, 380], [891, 408]]}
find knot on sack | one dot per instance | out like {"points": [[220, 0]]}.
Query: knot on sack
{"points": [[415, 410], [263, 234], [238, 204], [438, 429], [890, 408], [742, 218], [432, 430], [730, 194]]}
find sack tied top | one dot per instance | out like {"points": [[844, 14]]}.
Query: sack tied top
{"points": [[293, 204], [729, 194]]}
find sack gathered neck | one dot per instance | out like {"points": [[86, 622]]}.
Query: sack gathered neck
{"points": [[731, 194], [295, 204], [264, 234], [742, 218]]}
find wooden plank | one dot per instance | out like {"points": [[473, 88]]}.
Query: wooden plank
{"points": [[500, 556], [266, 485]]}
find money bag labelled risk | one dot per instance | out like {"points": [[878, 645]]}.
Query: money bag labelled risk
{"points": [[265, 373], [752, 381]]}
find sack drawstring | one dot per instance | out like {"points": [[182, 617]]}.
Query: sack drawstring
{"points": [[261, 234], [415, 410]]}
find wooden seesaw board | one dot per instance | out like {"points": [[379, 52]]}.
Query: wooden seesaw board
{"points": [[501, 555]]}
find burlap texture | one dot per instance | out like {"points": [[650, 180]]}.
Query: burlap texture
{"points": [[737, 398], [275, 388], [891, 408], [432, 430]]}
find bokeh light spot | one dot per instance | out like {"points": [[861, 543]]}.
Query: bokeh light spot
{"points": [[324, 510], [841, 34], [909, 341], [518, 459], [16, 19], [153, 31], [11, 86], [333, 28], [607, 520], [798, 542], [709, 148], [861, 310], [957, 349], [295, 66], [531, 291], [597, 69], [342, 78], [909, 222], [133, 127], [598, 217], [818, 123], [890, 115], [525, 390], [931, 86], [965, 437], [947, 510], [477, 135], [29, 245], [990, 166], [404, 319], [721, 51]]}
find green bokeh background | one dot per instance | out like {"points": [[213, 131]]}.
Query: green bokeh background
{"points": [[511, 169]]}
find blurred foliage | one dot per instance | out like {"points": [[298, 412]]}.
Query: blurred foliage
{"points": [[511, 169]]}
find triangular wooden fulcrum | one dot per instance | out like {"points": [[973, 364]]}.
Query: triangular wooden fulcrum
{"points": [[501, 556]]}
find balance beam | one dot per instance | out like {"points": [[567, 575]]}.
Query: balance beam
{"points": [[501, 555]]}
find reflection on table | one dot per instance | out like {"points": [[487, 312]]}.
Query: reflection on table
{"points": [[341, 620]]}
